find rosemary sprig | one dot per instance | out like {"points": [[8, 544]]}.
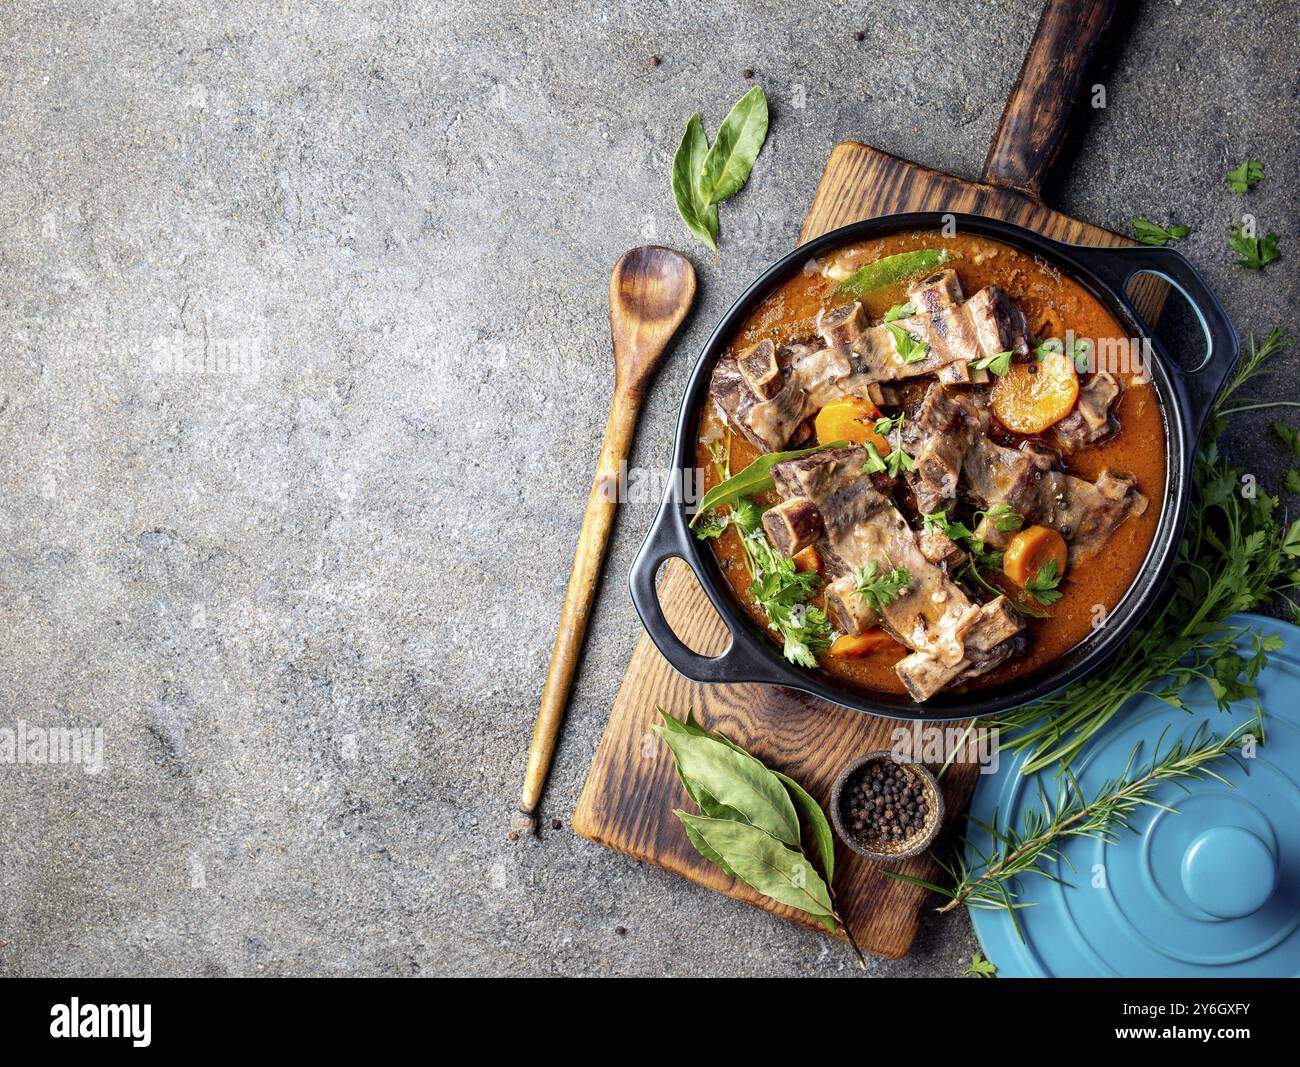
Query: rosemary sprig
{"points": [[1235, 556], [991, 882]]}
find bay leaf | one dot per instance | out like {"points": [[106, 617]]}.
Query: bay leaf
{"points": [[736, 780], [700, 216], [762, 862], [756, 478], [740, 138], [815, 820]]}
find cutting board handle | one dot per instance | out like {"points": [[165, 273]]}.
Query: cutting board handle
{"points": [[1033, 126]]}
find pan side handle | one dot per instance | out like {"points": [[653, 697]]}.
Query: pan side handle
{"points": [[1034, 123]]}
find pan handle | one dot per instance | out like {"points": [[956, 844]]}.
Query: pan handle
{"points": [[1199, 385], [670, 537], [1033, 126]]}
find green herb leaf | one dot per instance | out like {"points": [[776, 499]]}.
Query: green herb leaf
{"points": [[1004, 517], [910, 350], [740, 139], [1043, 585], [998, 363], [700, 216], [756, 478], [1149, 233], [893, 269], [815, 821], [1256, 252], [880, 588], [763, 863], [735, 779], [900, 311], [950, 528], [980, 967], [1292, 480], [1246, 176], [1045, 348], [874, 464], [1289, 436], [899, 461]]}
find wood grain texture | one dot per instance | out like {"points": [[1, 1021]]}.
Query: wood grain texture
{"points": [[631, 790], [651, 291], [1032, 130]]}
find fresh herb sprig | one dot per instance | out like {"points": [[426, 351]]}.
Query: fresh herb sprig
{"points": [[980, 967], [898, 461], [1234, 557], [778, 587], [1245, 177], [998, 363], [879, 587], [994, 881], [1150, 233], [752, 822], [703, 176], [1042, 587], [1256, 252], [910, 349]]}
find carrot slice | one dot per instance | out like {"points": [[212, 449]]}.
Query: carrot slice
{"points": [[807, 559], [854, 646], [1030, 551], [849, 419], [1030, 397]]}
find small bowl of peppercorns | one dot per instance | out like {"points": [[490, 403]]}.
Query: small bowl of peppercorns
{"points": [[886, 807]]}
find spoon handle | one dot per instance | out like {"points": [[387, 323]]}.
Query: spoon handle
{"points": [[587, 561]]}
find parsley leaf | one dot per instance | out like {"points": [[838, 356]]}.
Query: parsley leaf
{"points": [[899, 461], [1290, 437], [1256, 252], [980, 967], [1292, 480], [1045, 348], [900, 311], [998, 363], [950, 528], [1004, 517], [712, 525], [782, 590], [1043, 585], [880, 589], [874, 464], [910, 350], [1244, 177], [1149, 233]]}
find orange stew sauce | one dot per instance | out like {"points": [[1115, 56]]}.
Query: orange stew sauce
{"points": [[1052, 304]]}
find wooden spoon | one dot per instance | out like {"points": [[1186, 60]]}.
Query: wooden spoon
{"points": [[650, 293]]}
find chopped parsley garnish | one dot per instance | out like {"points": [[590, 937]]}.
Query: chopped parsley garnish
{"points": [[1149, 233], [998, 363], [900, 311], [880, 588], [1043, 585], [1243, 178], [1256, 252], [910, 350]]}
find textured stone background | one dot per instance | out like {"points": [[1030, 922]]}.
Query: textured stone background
{"points": [[311, 607]]}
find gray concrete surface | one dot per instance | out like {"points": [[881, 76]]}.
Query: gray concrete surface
{"points": [[308, 591]]}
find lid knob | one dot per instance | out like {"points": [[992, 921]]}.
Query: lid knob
{"points": [[1229, 872]]}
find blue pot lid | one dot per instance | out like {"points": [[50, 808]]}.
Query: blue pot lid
{"points": [[1211, 890]]}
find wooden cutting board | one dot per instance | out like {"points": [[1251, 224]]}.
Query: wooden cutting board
{"points": [[631, 790]]}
